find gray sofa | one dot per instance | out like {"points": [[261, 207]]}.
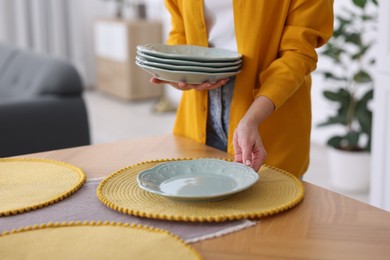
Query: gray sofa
{"points": [[41, 104]]}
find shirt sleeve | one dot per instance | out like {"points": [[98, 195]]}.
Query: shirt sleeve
{"points": [[177, 32], [309, 25]]}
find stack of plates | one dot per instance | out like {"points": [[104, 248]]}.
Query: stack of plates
{"points": [[189, 63]]}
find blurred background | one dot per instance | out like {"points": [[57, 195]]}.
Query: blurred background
{"points": [[98, 39]]}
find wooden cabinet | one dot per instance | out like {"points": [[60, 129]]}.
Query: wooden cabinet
{"points": [[115, 51]]}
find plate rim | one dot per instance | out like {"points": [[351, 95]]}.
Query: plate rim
{"points": [[146, 48], [214, 64], [187, 68], [172, 72], [253, 173]]}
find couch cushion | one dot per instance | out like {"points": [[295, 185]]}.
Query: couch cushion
{"points": [[42, 123], [27, 74], [6, 53]]}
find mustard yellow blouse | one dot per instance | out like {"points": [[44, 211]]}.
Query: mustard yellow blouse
{"points": [[277, 40]]}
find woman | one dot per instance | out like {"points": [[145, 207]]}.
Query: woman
{"points": [[269, 111]]}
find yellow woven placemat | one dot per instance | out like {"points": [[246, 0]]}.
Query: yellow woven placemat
{"points": [[29, 183], [93, 240], [276, 191]]}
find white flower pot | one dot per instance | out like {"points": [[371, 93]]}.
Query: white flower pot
{"points": [[349, 171]]}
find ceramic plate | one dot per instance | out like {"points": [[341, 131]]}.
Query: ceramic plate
{"points": [[197, 180], [186, 68], [189, 52], [189, 77], [188, 62]]}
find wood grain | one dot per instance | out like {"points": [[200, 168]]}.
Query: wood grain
{"points": [[325, 225]]}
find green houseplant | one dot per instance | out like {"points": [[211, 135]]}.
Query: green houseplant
{"points": [[352, 83], [350, 90]]}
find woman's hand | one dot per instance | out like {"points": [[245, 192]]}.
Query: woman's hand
{"points": [[183, 86], [248, 146]]}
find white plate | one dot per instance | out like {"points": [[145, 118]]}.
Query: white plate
{"points": [[197, 180], [189, 52], [186, 68], [187, 76], [188, 62]]}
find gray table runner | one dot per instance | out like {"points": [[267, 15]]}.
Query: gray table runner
{"points": [[85, 206]]}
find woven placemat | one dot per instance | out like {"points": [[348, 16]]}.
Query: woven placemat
{"points": [[85, 206], [28, 183], [93, 240], [276, 191]]}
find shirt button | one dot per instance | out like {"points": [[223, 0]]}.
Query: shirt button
{"points": [[201, 25]]}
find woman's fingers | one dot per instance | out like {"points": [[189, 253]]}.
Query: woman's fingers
{"points": [[218, 84], [180, 85], [259, 155], [237, 150], [250, 156], [155, 80], [184, 86], [210, 86], [248, 147]]}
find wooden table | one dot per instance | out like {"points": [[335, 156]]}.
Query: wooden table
{"points": [[325, 225]]}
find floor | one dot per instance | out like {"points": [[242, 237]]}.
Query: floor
{"points": [[113, 119]]}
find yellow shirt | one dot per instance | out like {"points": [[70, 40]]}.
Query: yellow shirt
{"points": [[277, 39]]}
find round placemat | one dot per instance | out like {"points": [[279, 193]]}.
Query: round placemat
{"points": [[29, 183], [276, 191], [93, 240]]}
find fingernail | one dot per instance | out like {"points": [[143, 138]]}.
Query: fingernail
{"points": [[182, 84], [248, 163]]}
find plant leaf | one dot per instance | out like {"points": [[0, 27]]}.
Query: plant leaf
{"points": [[342, 23], [360, 3], [351, 140], [334, 120], [368, 145], [362, 77], [366, 17], [365, 120], [363, 114], [333, 52], [354, 38], [362, 51], [331, 75], [335, 142], [339, 96]]}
